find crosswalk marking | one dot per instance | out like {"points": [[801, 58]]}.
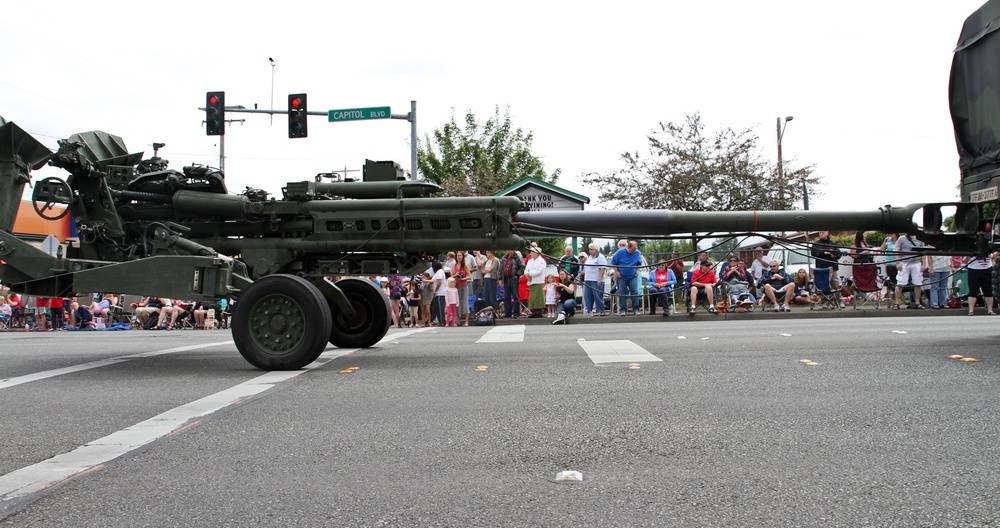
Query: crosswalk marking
{"points": [[504, 334], [620, 351]]}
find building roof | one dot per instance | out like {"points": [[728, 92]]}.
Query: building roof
{"points": [[534, 182]]}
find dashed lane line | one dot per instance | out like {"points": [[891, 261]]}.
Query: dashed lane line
{"points": [[11, 382], [619, 351], [504, 334]]}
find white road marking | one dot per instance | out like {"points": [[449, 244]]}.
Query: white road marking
{"points": [[38, 477], [10, 382], [504, 334], [390, 337], [622, 351]]}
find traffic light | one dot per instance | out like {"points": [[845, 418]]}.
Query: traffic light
{"points": [[215, 113], [297, 114]]}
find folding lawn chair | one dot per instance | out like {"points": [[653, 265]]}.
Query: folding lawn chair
{"points": [[824, 291], [865, 287]]}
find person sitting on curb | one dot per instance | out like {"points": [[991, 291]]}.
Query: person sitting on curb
{"points": [[776, 280], [567, 298]]}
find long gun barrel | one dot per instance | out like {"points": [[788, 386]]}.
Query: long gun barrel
{"points": [[662, 223]]}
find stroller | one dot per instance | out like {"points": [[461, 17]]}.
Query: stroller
{"points": [[485, 317]]}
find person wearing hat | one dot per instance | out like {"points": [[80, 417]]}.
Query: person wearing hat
{"points": [[534, 269], [703, 280], [661, 284]]}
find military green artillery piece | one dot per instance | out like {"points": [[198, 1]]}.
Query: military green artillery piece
{"points": [[145, 229]]}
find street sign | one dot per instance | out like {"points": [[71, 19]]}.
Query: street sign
{"points": [[355, 114]]}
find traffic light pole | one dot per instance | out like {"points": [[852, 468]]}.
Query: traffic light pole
{"points": [[411, 117]]}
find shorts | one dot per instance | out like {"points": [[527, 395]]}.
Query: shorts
{"points": [[147, 310], [909, 273], [980, 281]]}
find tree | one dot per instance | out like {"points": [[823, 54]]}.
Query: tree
{"points": [[661, 249], [480, 160], [689, 171]]}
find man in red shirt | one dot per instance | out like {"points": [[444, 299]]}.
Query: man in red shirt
{"points": [[703, 279]]}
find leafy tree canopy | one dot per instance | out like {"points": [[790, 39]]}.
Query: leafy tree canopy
{"points": [[690, 169], [476, 159]]}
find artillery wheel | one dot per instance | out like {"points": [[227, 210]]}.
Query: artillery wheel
{"points": [[281, 322], [372, 321], [51, 191]]}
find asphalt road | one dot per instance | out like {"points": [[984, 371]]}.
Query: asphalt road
{"points": [[700, 422]]}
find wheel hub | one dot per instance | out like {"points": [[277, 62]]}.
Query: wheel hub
{"points": [[277, 324]]}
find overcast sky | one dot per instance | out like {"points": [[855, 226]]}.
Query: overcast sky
{"points": [[867, 82]]}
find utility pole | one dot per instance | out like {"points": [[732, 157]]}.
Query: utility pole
{"points": [[781, 169], [222, 142]]}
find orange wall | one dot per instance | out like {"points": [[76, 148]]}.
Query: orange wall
{"points": [[29, 223]]}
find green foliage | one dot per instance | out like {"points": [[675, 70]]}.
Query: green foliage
{"points": [[480, 159], [843, 241], [553, 248], [689, 170]]}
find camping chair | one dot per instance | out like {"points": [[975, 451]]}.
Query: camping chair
{"points": [[828, 297], [738, 298], [4, 323], [702, 299], [118, 313], [865, 286]]}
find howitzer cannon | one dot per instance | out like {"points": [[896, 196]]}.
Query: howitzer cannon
{"points": [[148, 230], [145, 229]]}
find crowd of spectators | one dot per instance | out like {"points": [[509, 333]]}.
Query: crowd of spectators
{"points": [[517, 284], [455, 291], [105, 310]]}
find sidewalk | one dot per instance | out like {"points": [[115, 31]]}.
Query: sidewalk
{"points": [[757, 315]]}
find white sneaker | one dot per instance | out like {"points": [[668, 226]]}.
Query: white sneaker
{"points": [[785, 308], [693, 309], [777, 308], [561, 318]]}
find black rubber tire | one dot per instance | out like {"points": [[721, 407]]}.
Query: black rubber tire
{"points": [[281, 322], [372, 321], [996, 284]]}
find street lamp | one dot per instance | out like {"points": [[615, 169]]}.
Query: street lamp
{"points": [[781, 170]]}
